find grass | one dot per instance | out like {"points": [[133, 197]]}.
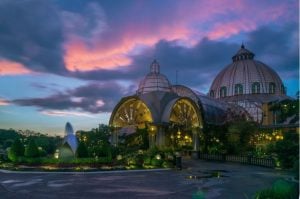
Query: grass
{"points": [[280, 190]]}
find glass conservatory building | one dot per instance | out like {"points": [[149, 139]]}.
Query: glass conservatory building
{"points": [[168, 111]]}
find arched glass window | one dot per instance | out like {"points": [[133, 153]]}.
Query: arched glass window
{"points": [[223, 91], [255, 88], [212, 93], [238, 89], [272, 88]]}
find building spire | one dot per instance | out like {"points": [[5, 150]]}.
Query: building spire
{"points": [[242, 46], [154, 67], [243, 54]]}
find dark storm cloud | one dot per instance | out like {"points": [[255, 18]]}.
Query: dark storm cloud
{"points": [[277, 48], [87, 23], [93, 98], [206, 57], [130, 73], [31, 33], [198, 65], [195, 65]]}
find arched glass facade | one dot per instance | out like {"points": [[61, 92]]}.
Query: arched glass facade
{"points": [[223, 91], [255, 88], [272, 87], [212, 93], [238, 89]]}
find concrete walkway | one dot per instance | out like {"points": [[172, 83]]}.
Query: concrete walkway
{"points": [[198, 178]]}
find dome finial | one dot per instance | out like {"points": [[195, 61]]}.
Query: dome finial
{"points": [[154, 67], [243, 54]]}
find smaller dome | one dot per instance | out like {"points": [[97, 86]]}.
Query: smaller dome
{"points": [[154, 81]]}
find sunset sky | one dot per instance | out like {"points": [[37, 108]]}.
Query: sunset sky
{"points": [[73, 60]]}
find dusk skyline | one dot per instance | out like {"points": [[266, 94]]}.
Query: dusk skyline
{"points": [[66, 61]]}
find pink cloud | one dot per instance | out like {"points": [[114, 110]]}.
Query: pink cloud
{"points": [[109, 47], [111, 54], [12, 68], [4, 102], [59, 113], [83, 58], [226, 30]]}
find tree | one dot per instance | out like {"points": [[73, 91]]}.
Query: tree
{"points": [[238, 136], [31, 149], [288, 149], [82, 151], [16, 150], [96, 140]]}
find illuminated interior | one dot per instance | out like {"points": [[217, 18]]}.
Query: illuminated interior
{"points": [[132, 112], [184, 114], [184, 117]]}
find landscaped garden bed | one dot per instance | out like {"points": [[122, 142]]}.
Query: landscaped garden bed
{"points": [[148, 159]]}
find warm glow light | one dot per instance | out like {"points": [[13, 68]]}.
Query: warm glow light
{"points": [[56, 154], [119, 157], [158, 157]]}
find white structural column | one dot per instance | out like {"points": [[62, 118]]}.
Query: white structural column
{"points": [[196, 152], [114, 137], [195, 132], [160, 138]]}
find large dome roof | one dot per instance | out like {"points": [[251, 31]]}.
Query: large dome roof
{"points": [[154, 81], [246, 76]]}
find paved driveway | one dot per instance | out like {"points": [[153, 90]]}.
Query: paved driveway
{"points": [[198, 178]]}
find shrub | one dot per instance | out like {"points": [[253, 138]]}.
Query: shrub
{"points": [[65, 152], [16, 150], [82, 151], [31, 149], [147, 160], [153, 151], [156, 162], [296, 169], [280, 190], [288, 150], [30, 160], [167, 164], [131, 161]]}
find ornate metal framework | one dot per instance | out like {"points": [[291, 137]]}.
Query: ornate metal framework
{"points": [[131, 112], [184, 113]]}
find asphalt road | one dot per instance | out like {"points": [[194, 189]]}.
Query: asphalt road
{"points": [[198, 179]]}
